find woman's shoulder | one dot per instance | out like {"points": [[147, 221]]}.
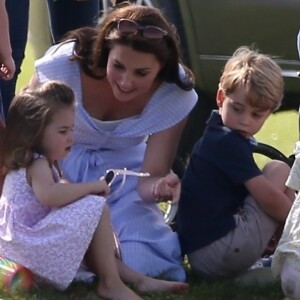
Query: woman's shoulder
{"points": [[173, 90], [62, 50], [169, 97], [168, 106], [56, 64]]}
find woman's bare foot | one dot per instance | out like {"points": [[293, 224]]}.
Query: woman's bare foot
{"points": [[149, 284], [116, 292]]}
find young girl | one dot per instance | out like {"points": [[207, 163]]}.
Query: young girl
{"points": [[49, 226]]}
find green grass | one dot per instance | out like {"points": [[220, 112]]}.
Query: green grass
{"points": [[280, 131], [199, 290]]}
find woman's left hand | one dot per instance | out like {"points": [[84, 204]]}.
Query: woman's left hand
{"points": [[167, 188]]}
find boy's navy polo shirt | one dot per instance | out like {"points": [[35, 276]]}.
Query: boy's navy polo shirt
{"points": [[213, 185]]}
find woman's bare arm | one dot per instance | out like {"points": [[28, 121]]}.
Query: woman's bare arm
{"points": [[159, 157], [56, 194]]}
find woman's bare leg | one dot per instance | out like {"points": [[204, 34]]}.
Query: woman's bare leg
{"points": [[101, 259]]}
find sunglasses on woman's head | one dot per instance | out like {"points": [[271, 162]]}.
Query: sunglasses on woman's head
{"points": [[128, 27]]}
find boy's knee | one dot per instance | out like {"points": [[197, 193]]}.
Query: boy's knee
{"points": [[274, 166], [277, 172]]}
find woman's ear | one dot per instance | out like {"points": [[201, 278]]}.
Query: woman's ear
{"points": [[220, 97]]}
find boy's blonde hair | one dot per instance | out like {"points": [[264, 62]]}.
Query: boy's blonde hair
{"points": [[260, 76]]}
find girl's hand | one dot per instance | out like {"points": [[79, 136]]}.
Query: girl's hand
{"points": [[7, 68], [104, 189], [167, 188]]}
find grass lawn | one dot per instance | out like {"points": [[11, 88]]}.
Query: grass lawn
{"points": [[199, 290], [27, 68], [280, 131]]}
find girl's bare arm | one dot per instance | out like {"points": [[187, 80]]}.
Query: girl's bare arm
{"points": [[55, 194]]}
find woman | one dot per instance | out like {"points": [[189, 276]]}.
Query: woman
{"points": [[133, 98]]}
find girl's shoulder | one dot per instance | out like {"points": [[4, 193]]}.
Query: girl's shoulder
{"points": [[37, 156], [41, 167], [39, 161]]}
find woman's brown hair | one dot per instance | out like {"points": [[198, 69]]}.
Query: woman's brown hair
{"points": [[93, 45]]}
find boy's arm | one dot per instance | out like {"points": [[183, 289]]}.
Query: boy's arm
{"points": [[7, 65], [55, 194], [273, 196]]}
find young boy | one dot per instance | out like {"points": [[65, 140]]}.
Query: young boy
{"points": [[229, 208]]}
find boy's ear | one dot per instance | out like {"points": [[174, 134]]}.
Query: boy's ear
{"points": [[220, 97]]}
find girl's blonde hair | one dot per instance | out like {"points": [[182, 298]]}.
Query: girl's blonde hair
{"points": [[258, 74], [30, 112]]}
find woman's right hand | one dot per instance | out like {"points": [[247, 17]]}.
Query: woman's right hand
{"points": [[167, 188]]}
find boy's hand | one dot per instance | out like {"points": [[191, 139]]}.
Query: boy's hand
{"points": [[167, 188]]}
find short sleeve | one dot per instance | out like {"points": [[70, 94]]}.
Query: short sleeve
{"points": [[234, 156]]}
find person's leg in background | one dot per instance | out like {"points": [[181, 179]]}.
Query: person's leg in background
{"points": [[2, 133], [39, 35], [66, 15], [18, 13]]}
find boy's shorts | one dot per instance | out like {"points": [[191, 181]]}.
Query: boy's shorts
{"points": [[240, 248]]}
